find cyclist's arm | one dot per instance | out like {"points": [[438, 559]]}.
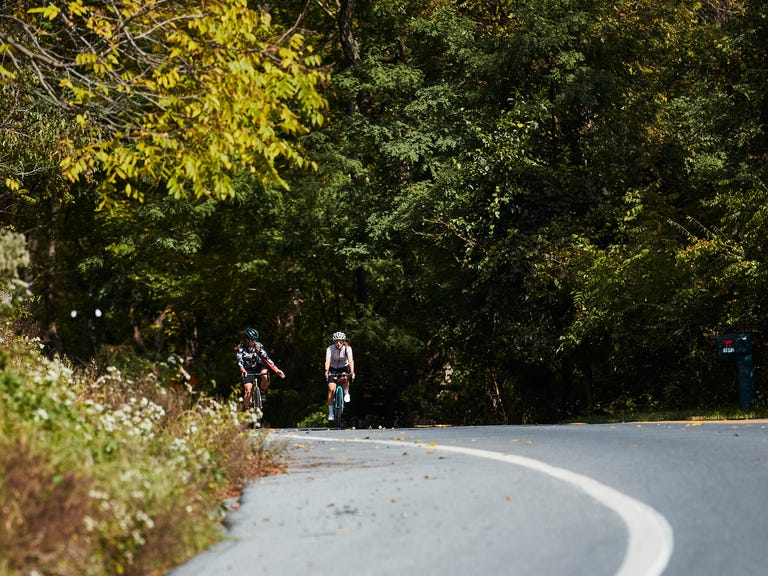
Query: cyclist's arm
{"points": [[327, 362], [269, 363], [240, 363]]}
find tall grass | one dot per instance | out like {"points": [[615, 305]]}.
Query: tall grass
{"points": [[103, 472]]}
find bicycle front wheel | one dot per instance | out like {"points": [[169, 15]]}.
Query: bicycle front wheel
{"points": [[338, 406], [256, 405]]}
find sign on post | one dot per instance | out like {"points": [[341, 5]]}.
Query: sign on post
{"points": [[739, 347], [733, 344]]}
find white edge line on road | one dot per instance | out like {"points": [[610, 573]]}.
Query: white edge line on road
{"points": [[650, 538]]}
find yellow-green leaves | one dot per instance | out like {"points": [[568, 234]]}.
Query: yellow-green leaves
{"points": [[50, 12], [174, 94]]}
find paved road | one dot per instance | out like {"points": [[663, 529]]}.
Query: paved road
{"points": [[578, 500]]}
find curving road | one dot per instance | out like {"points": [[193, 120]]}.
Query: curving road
{"points": [[623, 500]]}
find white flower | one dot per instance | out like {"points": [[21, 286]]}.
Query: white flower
{"points": [[145, 519], [90, 523]]}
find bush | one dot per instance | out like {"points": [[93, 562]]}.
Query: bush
{"points": [[106, 473], [318, 419]]}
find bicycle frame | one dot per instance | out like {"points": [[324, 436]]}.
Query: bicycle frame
{"points": [[338, 404], [341, 380]]}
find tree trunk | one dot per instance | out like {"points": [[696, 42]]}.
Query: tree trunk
{"points": [[53, 341], [346, 18], [351, 50], [361, 286]]}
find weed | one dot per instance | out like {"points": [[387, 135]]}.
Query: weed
{"points": [[42, 508], [318, 419]]}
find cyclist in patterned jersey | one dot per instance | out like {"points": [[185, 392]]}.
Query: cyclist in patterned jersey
{"points": [[338, 361], [253, 361]]}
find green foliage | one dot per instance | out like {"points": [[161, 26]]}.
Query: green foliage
{"points": [[559, 202], [318, 419], [169, 93], [13, 255]]}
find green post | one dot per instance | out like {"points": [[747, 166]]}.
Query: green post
{"points": [[746, 383]]}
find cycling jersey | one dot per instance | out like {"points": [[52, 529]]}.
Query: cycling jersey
{"points": [[253, 358], [340, 357]]}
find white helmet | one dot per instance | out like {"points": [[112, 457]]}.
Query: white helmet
{"points": [[338, 336]]}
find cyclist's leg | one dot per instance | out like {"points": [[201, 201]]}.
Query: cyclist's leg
{"points": [[344, 381], [331, 392], [248, 391], [263, 381]]}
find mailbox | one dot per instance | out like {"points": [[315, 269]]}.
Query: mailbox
{"points": [[733, 344], [739, 347]]}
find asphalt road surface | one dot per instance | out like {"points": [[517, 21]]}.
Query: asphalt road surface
{"points": [[629, 499]]}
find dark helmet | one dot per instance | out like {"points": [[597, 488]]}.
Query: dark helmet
{"points": [[251, 333]]}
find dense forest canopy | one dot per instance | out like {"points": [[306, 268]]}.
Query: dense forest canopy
{"points": [[518, 210]]}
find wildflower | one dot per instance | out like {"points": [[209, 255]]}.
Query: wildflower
{"points": [[90, 523]]}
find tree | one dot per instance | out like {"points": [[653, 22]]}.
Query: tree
{"points": [[173, 94]]}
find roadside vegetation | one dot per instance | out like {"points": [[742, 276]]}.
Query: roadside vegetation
{"points": [[108, 471], [713, 415]]}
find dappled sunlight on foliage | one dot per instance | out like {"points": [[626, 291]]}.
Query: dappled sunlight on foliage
{"points": [[172, 95]]}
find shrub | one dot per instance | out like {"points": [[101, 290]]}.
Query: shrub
{"points": [[107, 473]]}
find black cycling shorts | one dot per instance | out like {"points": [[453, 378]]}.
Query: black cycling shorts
{"points": [[250, 377], [334, 373]]}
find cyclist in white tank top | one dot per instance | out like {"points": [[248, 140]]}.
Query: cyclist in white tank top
{"points": [[339, 368]]}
